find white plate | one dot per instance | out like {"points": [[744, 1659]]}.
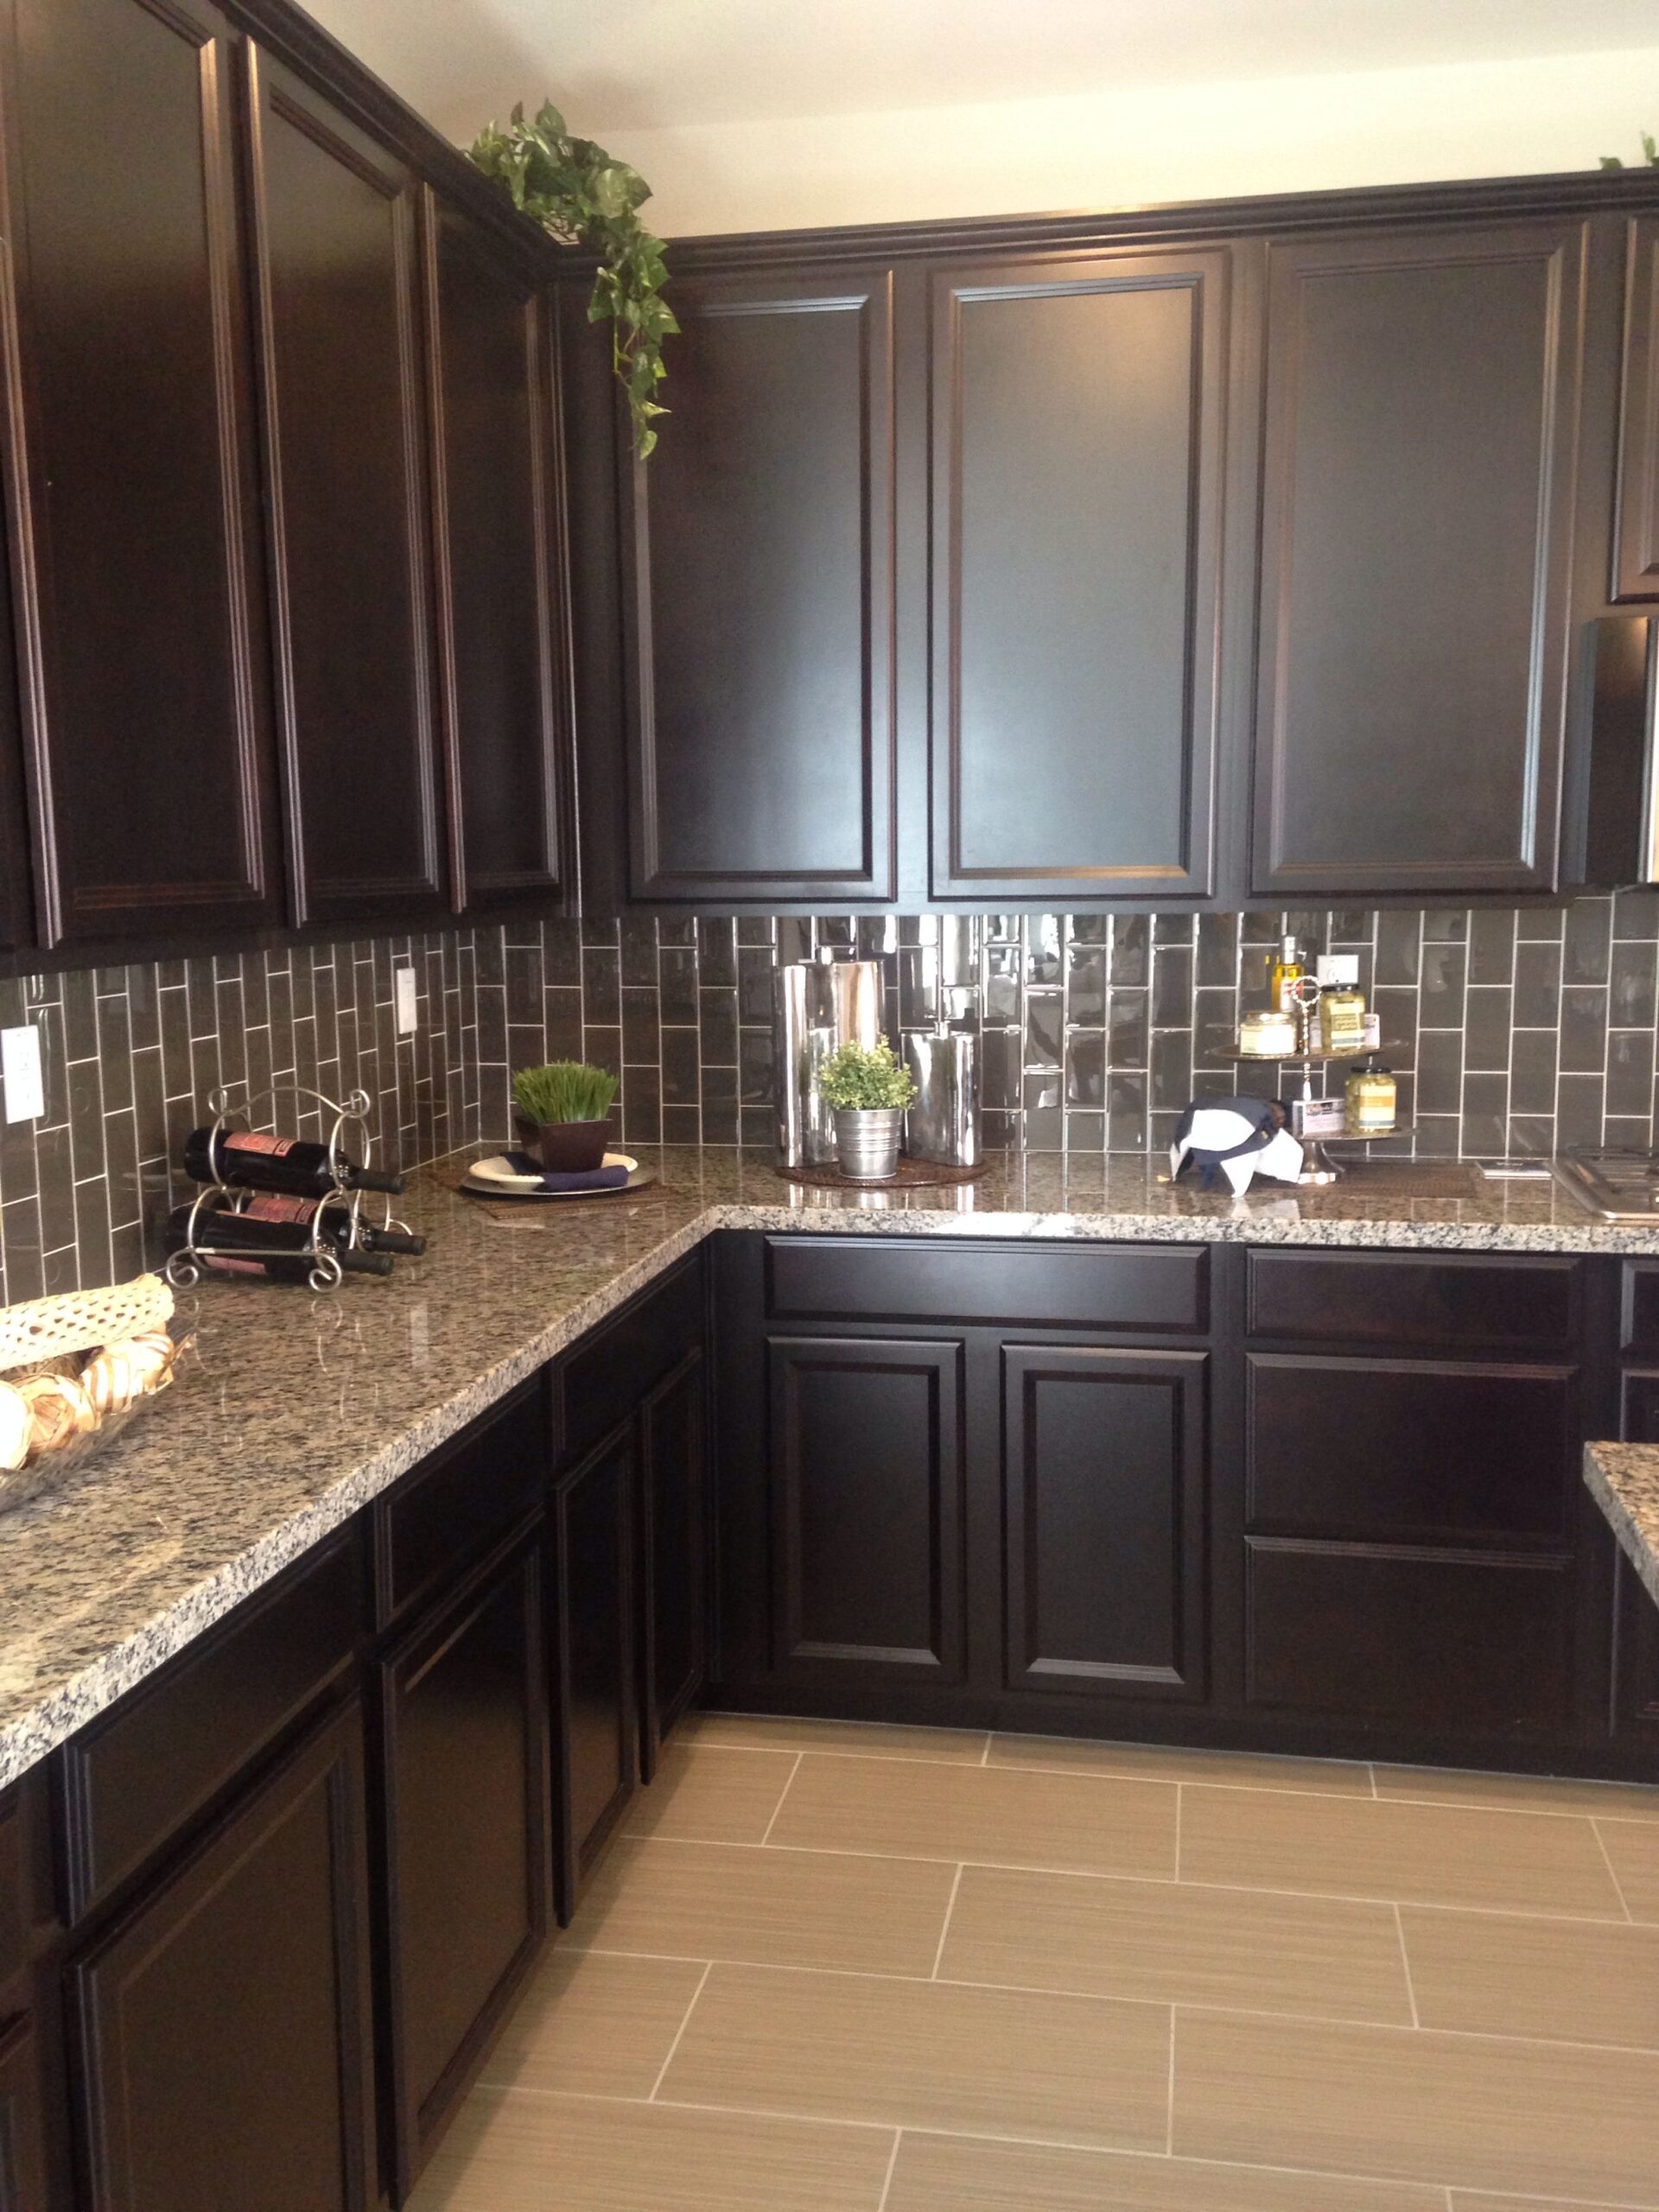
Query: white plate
{"points": [[497, 1175]]}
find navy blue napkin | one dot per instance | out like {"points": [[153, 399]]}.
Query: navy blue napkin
{"points": [[589, 1178]]}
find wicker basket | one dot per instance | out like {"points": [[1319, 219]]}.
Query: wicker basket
{"points": [[73, 1371]]}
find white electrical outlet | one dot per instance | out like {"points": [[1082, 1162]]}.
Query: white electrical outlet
{"points": [[19, 1064], [403, 998]]}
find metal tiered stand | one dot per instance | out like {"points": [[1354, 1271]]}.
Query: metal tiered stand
{"points": [[1318, 1167], [186, 1267]]}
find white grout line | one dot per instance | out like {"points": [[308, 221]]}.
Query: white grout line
{"points": [[1371, 1769], [1169, 2122], [1612, 1872], [783, 1793], [985, 1756], [1179, 1794], [662, 2071], [893, 2168], [951, 1906], [1405, 1962]]}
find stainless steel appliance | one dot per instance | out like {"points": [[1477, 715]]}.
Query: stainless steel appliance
{"points": [[942, 1122], [1614, 1185], [817, 1006]]}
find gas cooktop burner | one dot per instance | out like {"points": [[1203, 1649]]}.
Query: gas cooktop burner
{"points": [[1616, 1185]]}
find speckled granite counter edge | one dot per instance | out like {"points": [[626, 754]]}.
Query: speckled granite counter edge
{"points": [[30, 1736], [1623, 1479]]}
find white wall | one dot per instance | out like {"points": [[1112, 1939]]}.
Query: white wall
{"points": [[1503, 118]]}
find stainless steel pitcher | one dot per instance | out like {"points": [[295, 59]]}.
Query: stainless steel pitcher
{"points": [[817, 1006]]}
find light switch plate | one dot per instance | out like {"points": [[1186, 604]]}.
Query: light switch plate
{"points": [[20, 1064], [403, 998]]}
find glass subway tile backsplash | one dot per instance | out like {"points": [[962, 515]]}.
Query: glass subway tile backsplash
{"points": [[1509, 1030]]}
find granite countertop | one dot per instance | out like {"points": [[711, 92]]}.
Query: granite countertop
{"points": [[1623, 1479], [296, 1410]]}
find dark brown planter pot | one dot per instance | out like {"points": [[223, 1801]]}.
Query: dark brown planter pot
{"points": [[567, 1147]]}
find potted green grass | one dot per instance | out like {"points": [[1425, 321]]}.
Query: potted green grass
{"points": [[868, 1091], [562, 1114]]}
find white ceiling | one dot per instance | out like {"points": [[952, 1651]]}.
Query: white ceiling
{"points": [[643, 64]]}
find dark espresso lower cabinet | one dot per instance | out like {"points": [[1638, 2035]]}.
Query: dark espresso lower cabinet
{"points": [[23, 2161], [463, 1713], [673, 1553], [223, 2020], [596, 1729]]}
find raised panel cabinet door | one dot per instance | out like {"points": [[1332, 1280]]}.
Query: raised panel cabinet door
{"points": [[222, 2023], [1421, 416], [16, 916], [1104, 1474], [1079, 425], [134, 499], [763, 598], [595, 1718], [1636, 1616], [339, 286], [22, 2156], [1635, 534], [673, 1553], [867, 1484], [502, 646], [463, 1707]]}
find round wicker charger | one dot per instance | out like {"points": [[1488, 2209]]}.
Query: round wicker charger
{"points": [[913, 1175]]}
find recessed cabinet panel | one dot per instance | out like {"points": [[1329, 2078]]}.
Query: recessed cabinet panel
{"points": [[135, 511], [345, 458], [1412, 1451], [1635, 542], [1461, 1642], [595, 1722], [499, 630], [1078, 424], [673, 1551], [1422, 393], [223, 2023], [23, 2159], [464, 1717], [867, 1483], [763, 752], [1103, 1494]]}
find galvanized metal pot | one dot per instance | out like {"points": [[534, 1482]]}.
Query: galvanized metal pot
{"points": [[866, 1142]]}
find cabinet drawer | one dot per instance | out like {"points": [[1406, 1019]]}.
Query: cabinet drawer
{"points": [[457, 1504], [1398, 1299], [606, 1377], [1410, 1449], [1455, 1641], [1639, 1309], [135, 1775], [1083, 1286]]}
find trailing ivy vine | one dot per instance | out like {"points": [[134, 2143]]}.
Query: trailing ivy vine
{"points": [[581, 196]]}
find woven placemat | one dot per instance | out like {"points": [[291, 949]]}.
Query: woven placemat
{"points": [[913, 1175]]}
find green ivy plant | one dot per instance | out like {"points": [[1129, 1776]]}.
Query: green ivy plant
{"points": [[578, 194], [854, 1077], [1649, 153]]}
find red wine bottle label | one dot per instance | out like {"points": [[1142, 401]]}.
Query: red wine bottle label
{"points": [[268, 1208], [215, 1264], [252, 1140]]}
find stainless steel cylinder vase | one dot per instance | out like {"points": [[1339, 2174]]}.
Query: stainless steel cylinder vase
{"points": [[818, 1006], [942, 1122], [866, 1142]]}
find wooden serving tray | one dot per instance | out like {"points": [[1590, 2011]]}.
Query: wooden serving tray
{"points": [[913, 1175]]}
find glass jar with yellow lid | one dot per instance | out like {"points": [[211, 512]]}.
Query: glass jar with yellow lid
{"points": [[1371, 1098]]}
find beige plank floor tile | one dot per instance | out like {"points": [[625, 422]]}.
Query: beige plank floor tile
{"points": [[1169, 1763], [512, 2151], [1433, 1854], [1466, 2111], [769, 1908], [1479, 2200], [845, 2046], [874, 1740], [937, 2173], [1101, 1825], [1490, 1974], [713, 1796], [1169, 1941], [1634, 1851], [594, 2022], [1520, 1793]]}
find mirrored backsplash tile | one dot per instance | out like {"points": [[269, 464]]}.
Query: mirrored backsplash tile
{"points": [[1508, 1030]]}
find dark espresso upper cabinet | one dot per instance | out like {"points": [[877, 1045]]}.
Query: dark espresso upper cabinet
{"points": [[1422, 415], [340, 357], [503, 651], [134, 510], [1636, 538], [762, 753], [1080, 412]]}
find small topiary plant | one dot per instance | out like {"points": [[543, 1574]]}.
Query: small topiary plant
{"points": [[856, 1078], [564, 1090]]}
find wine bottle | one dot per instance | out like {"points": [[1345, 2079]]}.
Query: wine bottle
{"points": [[251, 1161], [263, 1238], [336, 1228]]}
